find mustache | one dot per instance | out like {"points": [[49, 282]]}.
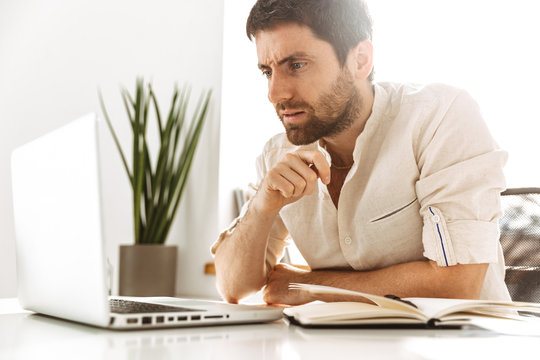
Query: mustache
{"points": [[292, 104]]}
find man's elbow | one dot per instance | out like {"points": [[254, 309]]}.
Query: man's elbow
{"points": [[234, 288], [469, 290], [462, 281], [234, 281], [229, 298], [474, 280], [233, 293]]}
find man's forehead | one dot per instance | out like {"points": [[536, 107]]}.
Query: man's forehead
{"points": [[291, 28], [286, 40]]}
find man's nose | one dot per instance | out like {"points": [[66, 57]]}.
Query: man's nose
{"points": [[279, 89]]}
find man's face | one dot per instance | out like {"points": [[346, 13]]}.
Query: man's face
{"points": [[313, 96]]}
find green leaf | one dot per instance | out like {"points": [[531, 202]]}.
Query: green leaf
{"points": [[113, 133], [138, 158], [186, 162], [158, 113], [157, 191]]}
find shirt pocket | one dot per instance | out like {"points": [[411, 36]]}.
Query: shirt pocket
{"points": [[394, 213]]}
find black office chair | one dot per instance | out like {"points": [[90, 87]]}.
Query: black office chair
{"points": [[520, 240]]}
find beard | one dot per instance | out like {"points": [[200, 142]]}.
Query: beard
{"points": [[333, 112]]}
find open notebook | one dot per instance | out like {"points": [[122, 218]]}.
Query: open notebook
{"points": [[409, 312]]}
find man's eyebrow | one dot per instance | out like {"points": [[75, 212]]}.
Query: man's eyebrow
{"points": [[284, 60]]}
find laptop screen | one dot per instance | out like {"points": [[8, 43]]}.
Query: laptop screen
{"points": [[57, 212]]}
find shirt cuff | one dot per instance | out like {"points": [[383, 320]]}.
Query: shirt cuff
{"points": [[459, 241]]}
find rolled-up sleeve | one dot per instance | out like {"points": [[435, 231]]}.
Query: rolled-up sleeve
{"points": [[461, 178]]}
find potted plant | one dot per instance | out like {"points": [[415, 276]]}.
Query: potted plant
{"points": [[148, 268]]}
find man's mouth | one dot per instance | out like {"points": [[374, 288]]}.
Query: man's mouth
{"points": [[292, 116]]}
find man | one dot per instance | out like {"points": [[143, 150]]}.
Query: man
{"points": [[385, 188]]}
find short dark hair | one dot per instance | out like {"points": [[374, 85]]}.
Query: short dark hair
{"points": [[342, 23]]}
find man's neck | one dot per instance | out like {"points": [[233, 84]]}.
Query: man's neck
{"points": [[341, 146]]}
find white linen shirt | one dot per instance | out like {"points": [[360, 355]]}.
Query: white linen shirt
{"points": [[425, 184]]}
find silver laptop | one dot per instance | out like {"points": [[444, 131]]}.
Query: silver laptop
{"points": [[61, 265]]}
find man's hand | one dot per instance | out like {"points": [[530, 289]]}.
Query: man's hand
{"points": [[292, 178], [277, 290]]}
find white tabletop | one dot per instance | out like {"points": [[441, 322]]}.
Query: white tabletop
{"points": [[25, 335]]}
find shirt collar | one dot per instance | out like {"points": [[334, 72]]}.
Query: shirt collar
{"points": [[380, 101]]}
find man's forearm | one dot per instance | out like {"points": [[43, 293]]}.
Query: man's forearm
{"points": [[240, 259], [413, 279]]}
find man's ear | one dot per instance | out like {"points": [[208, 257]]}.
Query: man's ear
{"points": [[362, 59]]}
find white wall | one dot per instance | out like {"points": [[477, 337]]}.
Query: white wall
{"points": [[488, 47], [248, 118], [53, 56]]}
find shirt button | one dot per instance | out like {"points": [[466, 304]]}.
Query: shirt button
{"points": [[436, 218], [348, 240]]}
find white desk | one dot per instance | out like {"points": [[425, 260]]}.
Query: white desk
{"points": [[25, 335]]}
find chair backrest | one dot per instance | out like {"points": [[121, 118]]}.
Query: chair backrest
{"points": [[520, 240]]}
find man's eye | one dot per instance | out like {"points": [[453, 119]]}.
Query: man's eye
{"points": [[298, 65], [267, 73]]}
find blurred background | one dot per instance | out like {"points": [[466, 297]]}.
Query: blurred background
{"points": [[55, 54]]}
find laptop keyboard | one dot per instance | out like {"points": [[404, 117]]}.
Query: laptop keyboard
{"points": [[120, 306]]}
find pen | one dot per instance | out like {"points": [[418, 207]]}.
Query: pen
{"points": [[394, 297]]}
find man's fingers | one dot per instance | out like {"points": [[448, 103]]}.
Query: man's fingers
{"points": [[310, 165], [293, 177], [279, 183], [318, 162], [297, 180]]}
